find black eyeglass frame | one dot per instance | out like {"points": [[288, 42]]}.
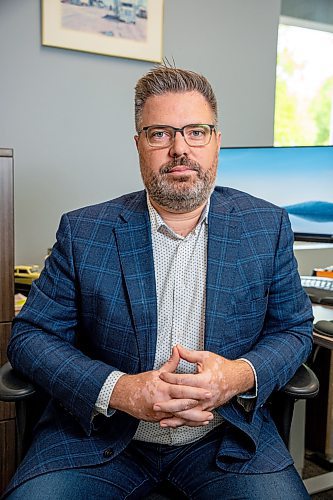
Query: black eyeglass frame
{"points": [[181, 131]]}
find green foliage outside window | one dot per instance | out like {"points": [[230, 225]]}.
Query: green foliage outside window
{"points": [[321, 112], [303, 116]]}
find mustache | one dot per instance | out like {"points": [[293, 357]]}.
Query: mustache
{"points": [[177, 162]]}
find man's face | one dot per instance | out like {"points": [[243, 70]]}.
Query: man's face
{"points": [[179, 177]]}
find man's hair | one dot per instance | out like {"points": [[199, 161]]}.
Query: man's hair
{"points": [[163, 79]]}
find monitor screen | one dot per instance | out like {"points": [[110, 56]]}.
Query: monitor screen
{"points": [[299, 178]]}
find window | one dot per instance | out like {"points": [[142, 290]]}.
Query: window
{"points": [[304, 85]]}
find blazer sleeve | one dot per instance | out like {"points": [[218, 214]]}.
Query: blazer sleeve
{"points": [[286, 339], [44, 342]]}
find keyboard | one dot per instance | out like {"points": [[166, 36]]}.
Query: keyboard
{"points": [[319, 289]]}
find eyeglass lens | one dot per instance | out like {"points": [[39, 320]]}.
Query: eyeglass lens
{"points": [[194, 135]]}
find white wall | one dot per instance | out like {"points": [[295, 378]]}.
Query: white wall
{"points": [[313, 255], [69, 115]]}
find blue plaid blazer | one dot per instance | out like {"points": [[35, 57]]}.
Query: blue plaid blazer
{"points": [[93, 310]]}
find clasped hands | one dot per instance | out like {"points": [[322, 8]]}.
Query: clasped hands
{"points": [[176, 399]]}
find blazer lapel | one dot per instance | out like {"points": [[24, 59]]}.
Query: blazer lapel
{"points": [[133, 236], [224, 231]]}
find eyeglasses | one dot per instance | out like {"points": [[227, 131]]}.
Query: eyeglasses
{"points": [[163, 136]]}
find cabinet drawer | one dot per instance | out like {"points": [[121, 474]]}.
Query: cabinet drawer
{"points": [[7, 452]]}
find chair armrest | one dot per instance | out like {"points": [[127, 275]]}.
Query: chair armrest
{"points": [[303, 385], [13, 386]]}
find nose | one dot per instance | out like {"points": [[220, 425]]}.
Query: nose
{"points": [[179, 147]]}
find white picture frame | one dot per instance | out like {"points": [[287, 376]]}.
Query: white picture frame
{"points": [[110, 27]]}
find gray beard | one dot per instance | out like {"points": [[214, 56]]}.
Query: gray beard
{"points": [[175, 194]]}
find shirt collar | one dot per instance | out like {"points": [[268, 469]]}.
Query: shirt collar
{"points": [[157, 221]]}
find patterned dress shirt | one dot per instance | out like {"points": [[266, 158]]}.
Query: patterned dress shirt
{"points": [[180, 272]]}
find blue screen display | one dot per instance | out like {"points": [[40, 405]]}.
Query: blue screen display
{"points": [[299, 179]]}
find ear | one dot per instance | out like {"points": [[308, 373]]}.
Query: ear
{"points": [[136, 138], [218, 138]]}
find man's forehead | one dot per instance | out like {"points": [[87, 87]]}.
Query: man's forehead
{"points": [[168, 102]]}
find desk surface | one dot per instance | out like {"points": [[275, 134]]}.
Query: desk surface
{"points": [[322, 313]]}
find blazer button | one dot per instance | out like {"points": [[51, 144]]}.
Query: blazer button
{"points": [[108, 453]]}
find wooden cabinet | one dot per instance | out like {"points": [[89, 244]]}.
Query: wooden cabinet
{"points": [[7, 410]]}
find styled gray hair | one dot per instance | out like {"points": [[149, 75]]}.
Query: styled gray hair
{"points": [[163, 79]]}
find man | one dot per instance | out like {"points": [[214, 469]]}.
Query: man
{"points": [[161, 324]]}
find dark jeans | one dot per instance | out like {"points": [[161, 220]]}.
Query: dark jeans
{"points": [[139, 468]]}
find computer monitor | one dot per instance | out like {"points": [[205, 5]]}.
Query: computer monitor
{"points": [[298, 178]]}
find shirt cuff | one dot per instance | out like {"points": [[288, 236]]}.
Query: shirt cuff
{"points": [[103, 399], [247, 399]]}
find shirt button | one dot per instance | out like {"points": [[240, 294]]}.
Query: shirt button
{"points": [[108, 453]]}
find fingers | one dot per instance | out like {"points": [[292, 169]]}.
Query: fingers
{"points": [[175, 422], [188, 355], [187, 410], [178, 421], [188, 392], [192, 379], [175, 405], [172, 362], [183, 398], [195, 414]]}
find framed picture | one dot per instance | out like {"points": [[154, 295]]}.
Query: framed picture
{"points": [[109, 27]]}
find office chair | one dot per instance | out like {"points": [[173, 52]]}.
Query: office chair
{"points": [[30, 403]]}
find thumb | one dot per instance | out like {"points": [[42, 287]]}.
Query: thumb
{"points": [[189, 355], [172, 362]]}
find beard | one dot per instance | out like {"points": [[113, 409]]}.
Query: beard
{"points": [[183, 193]]}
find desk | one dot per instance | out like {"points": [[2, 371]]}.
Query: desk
{"points": [[324, 481]]}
